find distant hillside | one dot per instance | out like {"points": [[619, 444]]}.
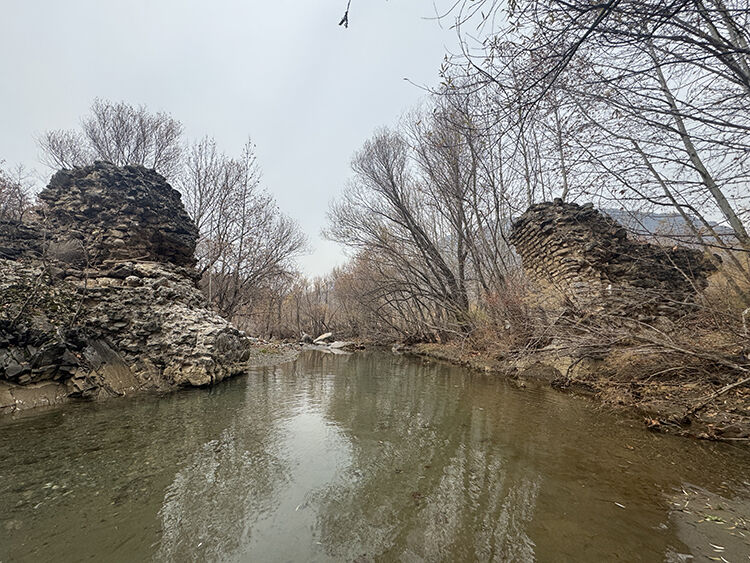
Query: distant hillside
{"points": [[667, 226]]}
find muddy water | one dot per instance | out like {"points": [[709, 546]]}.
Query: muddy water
{"points": [[363, 457]]}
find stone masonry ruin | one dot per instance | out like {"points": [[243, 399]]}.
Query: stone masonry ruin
{"points": [[587, 257], [99, 295], [115, 213]]}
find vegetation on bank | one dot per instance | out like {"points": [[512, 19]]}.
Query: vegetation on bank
{"points": [[639, 107]]}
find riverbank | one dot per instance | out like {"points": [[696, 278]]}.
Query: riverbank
{"points": [[691, 406]]}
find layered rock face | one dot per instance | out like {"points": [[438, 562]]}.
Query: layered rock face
{"points": [[588, 258], [99, 298], [115, 213], [20, 241]]}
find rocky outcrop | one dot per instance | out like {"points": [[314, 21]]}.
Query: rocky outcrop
{"points": [[588, 258], [18, 240], [99, 297]]}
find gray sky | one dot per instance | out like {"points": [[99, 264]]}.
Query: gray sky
{"points": [[307, 92]]}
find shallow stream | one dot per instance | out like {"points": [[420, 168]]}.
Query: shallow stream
{"points": [[364, 457]]}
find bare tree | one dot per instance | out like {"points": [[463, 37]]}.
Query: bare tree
{"points": [[15, 194], [246, 244], [426, 214], [630, 97], [119, 133], [65, 149]]}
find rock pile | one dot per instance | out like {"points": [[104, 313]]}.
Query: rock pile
{"points": [[588, 257], [99, 297]]}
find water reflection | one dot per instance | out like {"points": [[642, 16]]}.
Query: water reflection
{"points": [[362, 457], [224, 485]]}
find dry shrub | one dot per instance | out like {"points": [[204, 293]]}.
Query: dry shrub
{"points": [[722, 297], [506, 323]]}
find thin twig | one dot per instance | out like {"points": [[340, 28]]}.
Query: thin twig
{"points": [[718, 393]]}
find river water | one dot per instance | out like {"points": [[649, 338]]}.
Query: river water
{"points": [[364, 457]]}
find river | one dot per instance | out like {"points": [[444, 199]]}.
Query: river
{"points": [[364, 457]]}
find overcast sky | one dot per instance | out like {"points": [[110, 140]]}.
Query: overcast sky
{"points": [[307, 92]]}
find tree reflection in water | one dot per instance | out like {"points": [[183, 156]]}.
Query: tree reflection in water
{"points": [[364, 457], [426, 482]]}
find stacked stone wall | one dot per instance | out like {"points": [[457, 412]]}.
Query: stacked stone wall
{"points": [[116, 213], [589, 257]]}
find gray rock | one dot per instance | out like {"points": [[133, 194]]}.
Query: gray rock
{"points": [[124, 311], [14, 370]]}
